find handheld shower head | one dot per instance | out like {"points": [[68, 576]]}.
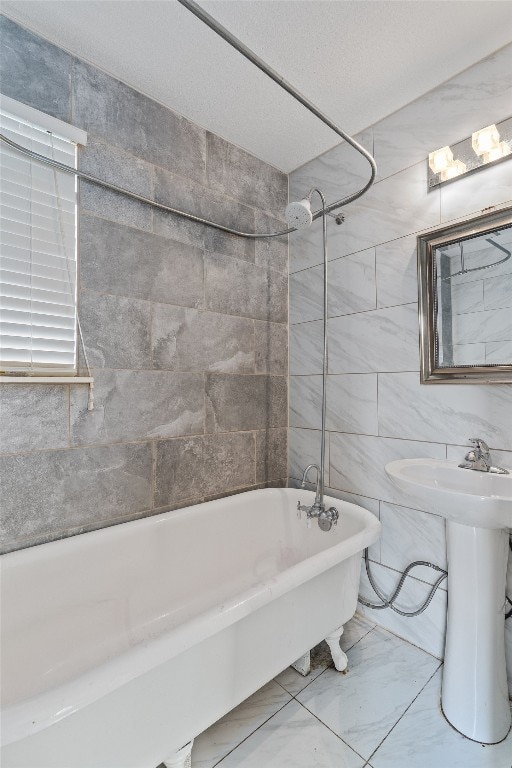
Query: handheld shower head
{"points": [[298, 214]]}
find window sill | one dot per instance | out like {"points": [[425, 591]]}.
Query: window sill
{"points": [[46, 380]]}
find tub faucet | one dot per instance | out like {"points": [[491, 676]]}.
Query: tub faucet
{"points": [[479, 458], [326, 517], [318, 497]]}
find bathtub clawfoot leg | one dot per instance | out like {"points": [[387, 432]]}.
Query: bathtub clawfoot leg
{"points": [[338, 656], [303, 664], [181, 759]]}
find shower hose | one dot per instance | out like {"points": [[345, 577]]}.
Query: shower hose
{"points": [[389, 602]]}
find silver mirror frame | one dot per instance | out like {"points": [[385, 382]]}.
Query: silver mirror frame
{"points": [[427, 242]]}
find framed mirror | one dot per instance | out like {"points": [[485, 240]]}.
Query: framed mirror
{"points": [[465, 301]]}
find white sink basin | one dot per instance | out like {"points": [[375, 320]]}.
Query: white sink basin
{"points": [[478, 510], [480, 499]]}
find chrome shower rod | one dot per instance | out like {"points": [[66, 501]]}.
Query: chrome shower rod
{"points": [[273, 75]]}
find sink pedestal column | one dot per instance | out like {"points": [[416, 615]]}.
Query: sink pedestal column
{"points": [[474, 692]]}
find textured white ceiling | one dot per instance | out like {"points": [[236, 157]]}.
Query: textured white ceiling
{"points": [[358, 60]]}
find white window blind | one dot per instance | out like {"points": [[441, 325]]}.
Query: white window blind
{"points": [[38, 251]]}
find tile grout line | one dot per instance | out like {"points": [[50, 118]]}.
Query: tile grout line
{"points": [[400, 718], [330, 666], [294, 698], [327, 727], [255, 730], [406, 710], [359, 312]]}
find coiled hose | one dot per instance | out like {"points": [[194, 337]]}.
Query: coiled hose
{"points": [[389, 602]]}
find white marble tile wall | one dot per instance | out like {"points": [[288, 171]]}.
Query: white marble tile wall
{"points": [[376, 409]]}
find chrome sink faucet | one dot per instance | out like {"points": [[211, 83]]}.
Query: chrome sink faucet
{"points": [[326, 517], [479, 458]]}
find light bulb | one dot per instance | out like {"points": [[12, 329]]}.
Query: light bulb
{"points": [[502, 150], [485, 140], [440, 159], [453, 170]]}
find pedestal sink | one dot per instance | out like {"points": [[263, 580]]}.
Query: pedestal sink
{"points": [[478, 510]]}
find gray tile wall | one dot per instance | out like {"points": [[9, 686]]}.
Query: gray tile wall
{"points": [[185, 327], [376, 410]]}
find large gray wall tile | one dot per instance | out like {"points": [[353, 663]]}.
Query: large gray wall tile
{"points": [[111, 110], [235, 287], [197, 466], [271, 454], [236, 403], [33, 417], [131, 405], [116, 330], [34, 71], [127, 262], [52, 491], [179, 470], [272, 251], [176, 227], [271, 348], [149, 334], [116, 166], [244, 177], [190, 340], [191, 197], [122, 169], [228, 462], [115, 206]]}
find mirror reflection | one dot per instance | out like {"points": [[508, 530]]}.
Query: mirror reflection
{"points": [[473, 296]]}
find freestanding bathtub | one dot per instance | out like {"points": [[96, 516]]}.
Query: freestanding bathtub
{"points": [[121, 645]]}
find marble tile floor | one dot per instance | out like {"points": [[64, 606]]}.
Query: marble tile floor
{"points": [[384, 713]]}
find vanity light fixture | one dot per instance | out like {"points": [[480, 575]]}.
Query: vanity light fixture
{"points": [[485, 140], [486, 146], [502, 150], [440, 160], [457, 168]]}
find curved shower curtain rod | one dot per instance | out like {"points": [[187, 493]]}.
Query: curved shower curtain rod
{"points": [[276, 77]]}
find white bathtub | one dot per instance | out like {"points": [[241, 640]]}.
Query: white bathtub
{"points": [[121, 645]]}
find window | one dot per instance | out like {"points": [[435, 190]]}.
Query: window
{"points": [[38, 245]]}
